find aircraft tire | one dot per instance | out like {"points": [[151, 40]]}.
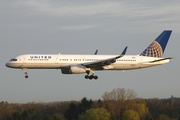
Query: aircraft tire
{"points": [[95, 77], [91, 77], [86, 76], [26, 76]]}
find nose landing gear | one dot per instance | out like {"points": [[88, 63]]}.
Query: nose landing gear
{"points": [[26, 76], [25, 72]]}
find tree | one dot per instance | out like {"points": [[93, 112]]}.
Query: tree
{"points": [[58, 117], [28, 114], [84, 105], [72, 112], [141, 108], [47, 117], [17, 116], [118, 100], [148, 117], [95, 114], [163, 117], [98, 104], [130, 115]]}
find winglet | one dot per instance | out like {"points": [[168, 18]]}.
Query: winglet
{"points": [[123, 53], [96, 52]]}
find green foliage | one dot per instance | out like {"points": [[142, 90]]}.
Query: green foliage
{"points": [[130, 115], [116, 102], [58, 117], [141, 108], [54, 117], [17, 116], [28, 114], [164, 106], [47, 117], [74, 110], [84, 105], [163, 117], [148, 117], [95, 114]]}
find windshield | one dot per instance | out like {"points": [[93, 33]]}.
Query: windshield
{"points": [[13, 59]]}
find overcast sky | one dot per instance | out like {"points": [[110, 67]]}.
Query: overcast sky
{"points": [[81, 27]]}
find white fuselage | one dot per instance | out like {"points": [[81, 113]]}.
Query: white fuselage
{"points": [[56, 61], [78, 64]]}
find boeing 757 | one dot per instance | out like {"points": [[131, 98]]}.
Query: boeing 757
{"points": [[78, 64]]}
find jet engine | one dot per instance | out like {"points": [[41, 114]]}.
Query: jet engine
{"points": [[75, 69]]}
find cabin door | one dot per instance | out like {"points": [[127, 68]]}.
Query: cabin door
{"points": [[24, 60], [56, 60]]}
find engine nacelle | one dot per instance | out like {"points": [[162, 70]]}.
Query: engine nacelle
{"points": [[76, 69]]}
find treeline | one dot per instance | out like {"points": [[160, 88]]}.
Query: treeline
{"points": [[119, 104]]}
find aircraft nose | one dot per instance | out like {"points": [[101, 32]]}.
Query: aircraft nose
{"points": [[7, 65]]}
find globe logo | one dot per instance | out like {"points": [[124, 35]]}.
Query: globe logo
{"points": [[153, 50]]}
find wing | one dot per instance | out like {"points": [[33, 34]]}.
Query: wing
{"points": [[97, 65]]}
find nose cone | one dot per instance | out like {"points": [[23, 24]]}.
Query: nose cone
{"points": [[7, 65]]}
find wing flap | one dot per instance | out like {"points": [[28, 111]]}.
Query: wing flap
{"points": [[100, 63]]}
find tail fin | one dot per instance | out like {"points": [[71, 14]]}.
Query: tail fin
{"points": [[157, 47]]}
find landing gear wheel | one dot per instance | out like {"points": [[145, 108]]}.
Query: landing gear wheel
{"points": [[26, 76], [95, 77], [86, 76], [25, 72], [91, 77]]}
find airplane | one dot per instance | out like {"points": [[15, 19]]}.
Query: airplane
{"points": [[88, 64]]}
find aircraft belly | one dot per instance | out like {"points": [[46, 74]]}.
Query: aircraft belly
{"points": [[145, 65], [125, 66]]}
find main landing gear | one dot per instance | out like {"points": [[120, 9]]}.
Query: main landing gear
{"points": [[90, 77], [25, 72]]}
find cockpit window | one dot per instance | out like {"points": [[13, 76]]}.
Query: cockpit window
{"points": [[13, 60]]}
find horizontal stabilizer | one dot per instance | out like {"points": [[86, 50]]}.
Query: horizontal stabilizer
{"points": [[161, 59]]}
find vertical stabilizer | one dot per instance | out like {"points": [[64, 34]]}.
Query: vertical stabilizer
{"points": [[157, 47]]}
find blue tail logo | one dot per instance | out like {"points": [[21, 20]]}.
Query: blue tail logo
{"points": [[157, 47]]}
